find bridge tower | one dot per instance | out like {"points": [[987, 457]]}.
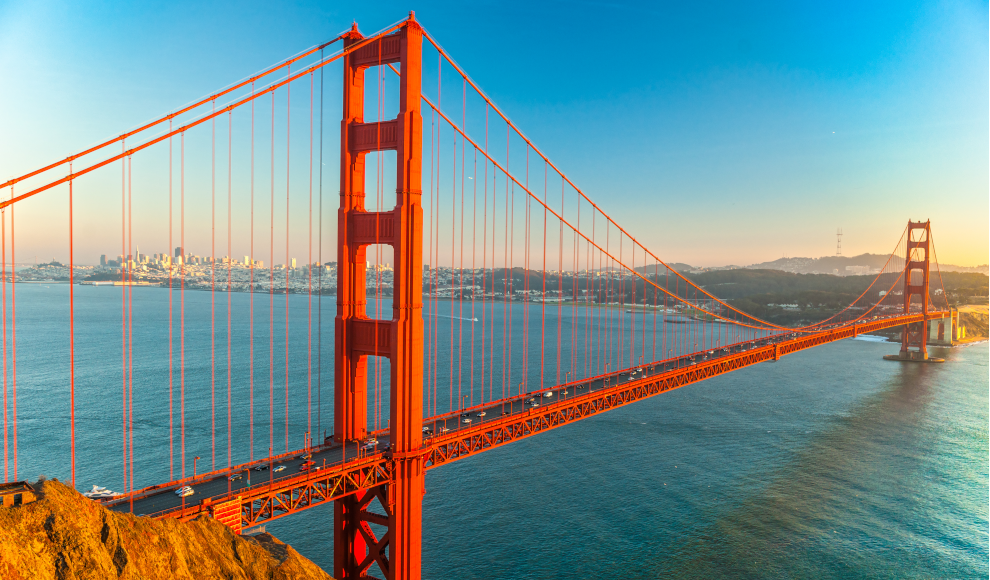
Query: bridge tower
{"points": [[916, 270], [400, 339]]}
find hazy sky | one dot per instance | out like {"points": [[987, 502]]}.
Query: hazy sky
{"points": [[748, 130]]}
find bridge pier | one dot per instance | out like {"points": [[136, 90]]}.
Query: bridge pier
{"points": [[356, 547]]}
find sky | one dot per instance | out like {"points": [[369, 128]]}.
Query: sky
{"points": [[716, 133]]}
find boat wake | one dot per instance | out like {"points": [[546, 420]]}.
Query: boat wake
{"points": [[457, 318]]}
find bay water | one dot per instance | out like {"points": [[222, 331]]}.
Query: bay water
{"points": [[831, 463]]}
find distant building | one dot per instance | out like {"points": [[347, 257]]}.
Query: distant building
{"points": [[103, 259], [292, 264], [178, 252]]}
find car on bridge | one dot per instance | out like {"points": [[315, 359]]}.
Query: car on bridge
{"points": [[307, 465], [279, 468], [184, 491]]}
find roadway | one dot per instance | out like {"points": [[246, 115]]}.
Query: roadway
{"points": [[269, 473]]}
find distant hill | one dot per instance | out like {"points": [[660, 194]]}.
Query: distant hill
{"points": [[682, 268], [847, 265]]}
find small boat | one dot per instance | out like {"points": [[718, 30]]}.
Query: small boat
{"points": [[100, 493]]}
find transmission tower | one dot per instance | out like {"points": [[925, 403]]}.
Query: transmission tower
{"points": [[838, 242]]}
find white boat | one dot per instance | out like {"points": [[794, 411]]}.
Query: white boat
{"points": [[100, 493]]}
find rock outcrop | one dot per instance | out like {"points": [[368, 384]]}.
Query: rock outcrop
{"points": [[66, 536]]}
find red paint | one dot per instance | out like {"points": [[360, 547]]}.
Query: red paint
{"points": [[400, 339]]}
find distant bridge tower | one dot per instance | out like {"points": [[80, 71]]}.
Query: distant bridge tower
{"points": [[838, 242], [916, 268], [356, 547]]}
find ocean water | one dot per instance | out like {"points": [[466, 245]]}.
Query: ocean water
{"points": [[830, 463]]}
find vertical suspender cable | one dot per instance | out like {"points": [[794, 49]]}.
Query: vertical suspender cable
{"points": [[123, 310], [230, 260], [130, 323], [484, 262], [474, 239], [271, 295], [72, 339], [319, 299], [213, 296], [460, 292], [3, 307], [288, 128], [13, 334], [251, 301], [431, 361], [453, 263], [182, 301], [171, 361], [543, 292], [491, 341], [309, 278]]}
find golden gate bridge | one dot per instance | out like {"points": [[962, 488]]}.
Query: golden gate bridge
{"points": [[510, 289]]}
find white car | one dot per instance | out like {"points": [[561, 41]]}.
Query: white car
{"points": [[184, 491], [548, 394], [279, 468]]}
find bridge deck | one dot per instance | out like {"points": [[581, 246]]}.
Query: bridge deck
{"points": [[263, 494]]}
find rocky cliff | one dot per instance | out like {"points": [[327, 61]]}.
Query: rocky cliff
{"points": [[66, 536]]}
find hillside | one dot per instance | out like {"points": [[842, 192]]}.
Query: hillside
{"points": [[65, 535], [838, 265]]}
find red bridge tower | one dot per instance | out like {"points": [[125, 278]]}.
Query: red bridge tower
{"points": [[916, 268], [356, 547]]}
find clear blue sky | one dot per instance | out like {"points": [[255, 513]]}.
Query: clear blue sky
{"points": [[760, 127]]}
